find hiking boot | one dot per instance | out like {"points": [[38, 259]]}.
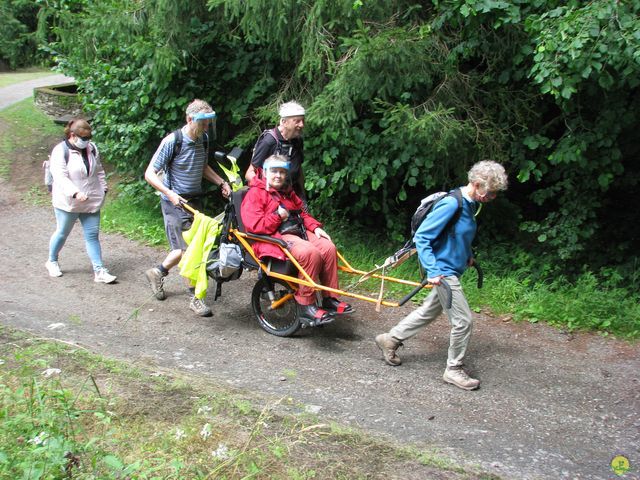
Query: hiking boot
{"points": [[458, 377], [388, 345], [103, 276], [53, 268], [156, 282], [199, 307]]}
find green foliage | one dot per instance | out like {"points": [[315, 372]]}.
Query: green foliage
{"points": [[17, 33], [574, 67], [40, 431], [585, 41], [402, 98], [518, 283]]}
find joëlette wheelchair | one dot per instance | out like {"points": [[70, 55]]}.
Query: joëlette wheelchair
{"points": [[272, 298]]}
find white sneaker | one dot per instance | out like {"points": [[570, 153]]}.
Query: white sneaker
{"points": [[103, 276], [53, 268]]}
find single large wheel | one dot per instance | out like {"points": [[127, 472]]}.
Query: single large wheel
{"points": [[282, 321]]}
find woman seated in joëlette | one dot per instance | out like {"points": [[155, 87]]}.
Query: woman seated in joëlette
{"points": [[269, 208]]}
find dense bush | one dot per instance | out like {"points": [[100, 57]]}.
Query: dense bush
{"points": [[18, 24], [403, 97]]}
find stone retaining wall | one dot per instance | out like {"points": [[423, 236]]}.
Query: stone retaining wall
{"points": [[58, 101]]}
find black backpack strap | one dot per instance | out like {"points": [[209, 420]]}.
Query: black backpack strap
{"points": [[272, 132], [65, 149], [177, 147], [457, 194]]}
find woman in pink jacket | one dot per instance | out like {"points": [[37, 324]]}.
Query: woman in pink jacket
{"points": [[267, 209], [79, 189]]}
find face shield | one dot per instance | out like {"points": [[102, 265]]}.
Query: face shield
{"points": [[271, 163], [211, 116]]}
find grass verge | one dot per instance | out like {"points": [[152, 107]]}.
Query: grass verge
{"points": [[23, 75], [71, 414], [135, 212], [27, 128]]}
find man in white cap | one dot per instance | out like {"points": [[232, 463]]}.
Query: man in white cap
{"points": [[285, 139]]}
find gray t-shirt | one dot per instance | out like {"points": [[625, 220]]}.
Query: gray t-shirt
{"points": [[185, 171]]}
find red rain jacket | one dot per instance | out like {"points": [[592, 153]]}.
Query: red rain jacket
{"points": [[259, 215]]}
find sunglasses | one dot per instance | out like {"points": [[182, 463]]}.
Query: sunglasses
{"points": [[86, 138]]}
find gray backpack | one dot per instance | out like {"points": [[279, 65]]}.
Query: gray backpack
{"points": [[224, 264]]}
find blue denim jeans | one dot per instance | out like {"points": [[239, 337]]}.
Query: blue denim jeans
{"points": [[91, 228]]}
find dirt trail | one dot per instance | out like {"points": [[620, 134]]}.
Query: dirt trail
{"points": [[551, 405]]}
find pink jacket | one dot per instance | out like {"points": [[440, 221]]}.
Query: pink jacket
{"points": [[72, 177], [259, 215]]}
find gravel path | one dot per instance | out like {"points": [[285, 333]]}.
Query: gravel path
{"points": [[19, 91], [551, 405]]}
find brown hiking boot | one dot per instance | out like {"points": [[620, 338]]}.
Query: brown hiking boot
{"points": [[458, 377], [388, 345], [199, 307], [156, 282]]}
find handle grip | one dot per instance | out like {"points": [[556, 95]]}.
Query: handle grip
{"points": [[480, 274], [443, 283]]}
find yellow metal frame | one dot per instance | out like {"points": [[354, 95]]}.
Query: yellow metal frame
{"points": [[343, 265]]}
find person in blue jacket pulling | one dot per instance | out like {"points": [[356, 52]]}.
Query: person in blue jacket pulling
{"points": [[445, 256]]}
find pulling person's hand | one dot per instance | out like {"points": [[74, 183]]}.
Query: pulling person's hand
{"points": [[174, 198], [226, 189], [435, 280]]}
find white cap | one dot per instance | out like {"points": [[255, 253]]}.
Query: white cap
{"points": [[291, 109]]}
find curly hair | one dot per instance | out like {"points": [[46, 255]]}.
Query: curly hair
{"points": [[491, 175], [198, 106]]}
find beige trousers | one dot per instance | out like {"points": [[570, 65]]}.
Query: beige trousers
{"points": [[459, 315]]}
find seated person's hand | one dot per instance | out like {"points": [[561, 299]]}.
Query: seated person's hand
{"points": [[283, 212], [320, 233]]}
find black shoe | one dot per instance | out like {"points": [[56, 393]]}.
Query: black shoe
{"points": [[336, 307], [313, 316]]}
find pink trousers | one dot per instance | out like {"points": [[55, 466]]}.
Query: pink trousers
{"points": [[318, 258]]}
